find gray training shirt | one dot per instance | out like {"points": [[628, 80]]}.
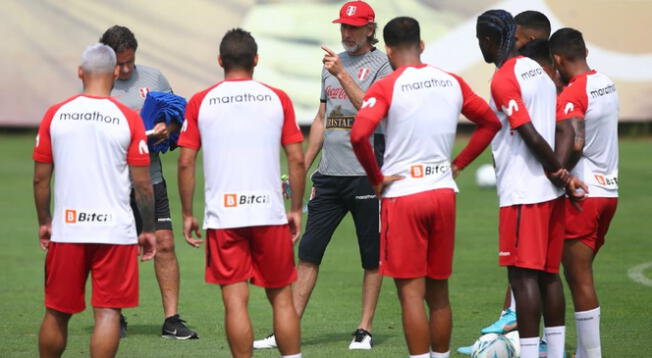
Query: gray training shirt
{"points": [[337, 158], [132, 93]]}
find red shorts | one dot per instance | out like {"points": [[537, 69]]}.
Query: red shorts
{"points": [[592, 223], [532, 235], [418, 235], [114, 274], [263, 254]]}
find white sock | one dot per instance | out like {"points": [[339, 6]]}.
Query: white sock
{"points": [[555, 338], [440, 355], [529, 347], [588, 333], [425, 355], [512, 301], [298, 355]]}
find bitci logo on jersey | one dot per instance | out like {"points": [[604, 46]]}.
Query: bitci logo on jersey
{"points": [[72, 216], [250, 199]]}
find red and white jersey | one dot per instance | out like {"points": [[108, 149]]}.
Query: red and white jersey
{"points": [[92, 141], [422, 105], [522, 92], [241, 125], [592, 97]]}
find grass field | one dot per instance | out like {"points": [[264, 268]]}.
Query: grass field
{"points": [[477, 285]]}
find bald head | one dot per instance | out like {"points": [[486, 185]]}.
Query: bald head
{"points": [[98, 59]]}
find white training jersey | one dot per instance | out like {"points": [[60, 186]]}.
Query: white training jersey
{"points": [[592, 97], [522, 92], [422, 105], [241, 125], [92, 141]]}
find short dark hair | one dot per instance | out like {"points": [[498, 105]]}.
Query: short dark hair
{"points": [[538, 50], [238, 50], [534, 20], [499, 27], [119, 38], [568, 43], [402, 31]]}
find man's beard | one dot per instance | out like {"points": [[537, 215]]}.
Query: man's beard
{"points": [[351, 49]]}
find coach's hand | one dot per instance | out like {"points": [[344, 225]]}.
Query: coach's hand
{"points": [[190, 225], [44, 233], [387, 180], [160, 132], [332, 62], [294, 222], [147, 243]]}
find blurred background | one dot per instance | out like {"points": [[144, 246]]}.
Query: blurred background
{"points": [[43, 40]]}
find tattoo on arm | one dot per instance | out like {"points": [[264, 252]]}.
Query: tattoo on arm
{"points": [[145, 203], [579, 138]]}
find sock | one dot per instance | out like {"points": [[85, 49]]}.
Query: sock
{"points": [[424, 355], [512, 301], [555, 338], [588, 333], [529, 347], [440, 355], [298, 355]]}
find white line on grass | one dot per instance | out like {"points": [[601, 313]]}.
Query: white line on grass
{"points": [[636, 273]]}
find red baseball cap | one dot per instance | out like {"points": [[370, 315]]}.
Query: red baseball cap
{"points": [[356, 13]]}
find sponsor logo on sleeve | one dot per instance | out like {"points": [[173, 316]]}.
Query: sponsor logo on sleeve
{"points": [[569, 108], [368, 103], [72, 216], [184, 126], [38, 140], [249, 199], [512, 107], [142, 147]]}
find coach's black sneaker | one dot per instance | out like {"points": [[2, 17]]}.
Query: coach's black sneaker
{"points": [[361, 339], [175, 328], [123, 326]]}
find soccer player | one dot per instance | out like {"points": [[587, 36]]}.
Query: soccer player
{"points": [[422, 105], [590, 102], [92, 144], [531, 25], [529, 182], [241, 125], [131, 88], [339, 185]]}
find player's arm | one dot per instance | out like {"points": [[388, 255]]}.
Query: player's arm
{"points": [[144, 196], [334, 66], [186, 178], [42, 178], [297, 173], [316, 136], [477, 111], [570, 135]]}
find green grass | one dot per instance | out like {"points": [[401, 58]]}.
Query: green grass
{"points": [[477, 284]]}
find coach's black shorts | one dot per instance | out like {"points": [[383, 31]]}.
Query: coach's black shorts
{"points": [[334, 196], [162, 218]]}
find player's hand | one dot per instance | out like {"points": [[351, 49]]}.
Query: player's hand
{"points": [[44, 234], [160, 132], [147, 243], [294, 222], [332, 62], [560, 178], [455, 171], [191, 226], [387, 181], [576, 191]]}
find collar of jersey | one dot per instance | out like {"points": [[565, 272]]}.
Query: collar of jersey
{"points": [[576, 77], [238, 79]]}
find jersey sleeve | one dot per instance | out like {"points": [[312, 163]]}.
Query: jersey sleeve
{"points": [[322, 93], [164, 85], [573, 101], [189, 136], [506, 93], [291, 132], [478, 111], [43, 147], [374, 108], [384, 71], [138, 152]]}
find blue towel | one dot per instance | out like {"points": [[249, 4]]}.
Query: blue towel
{"points": [[163, 107]]}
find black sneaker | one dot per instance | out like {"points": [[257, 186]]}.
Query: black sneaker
{"points": [[361, 340], [123, 326], [175, 328]]}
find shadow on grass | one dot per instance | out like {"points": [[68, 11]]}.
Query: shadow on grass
{"points": [[137, 330], [333, 337]]}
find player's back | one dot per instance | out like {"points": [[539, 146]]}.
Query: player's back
{"points": [[425, 104], [593, 97], [241, 125], [521, 90], [91, 141]]}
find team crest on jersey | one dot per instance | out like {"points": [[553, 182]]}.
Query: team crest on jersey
{"points": [[363, 72], [350, 11], [569, 108], [143, 91]]}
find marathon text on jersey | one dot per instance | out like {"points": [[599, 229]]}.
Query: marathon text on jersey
{"points": [[431, 83], [89, 116], [532, 73], [73, 217], [240, 98], [603, 91]]}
